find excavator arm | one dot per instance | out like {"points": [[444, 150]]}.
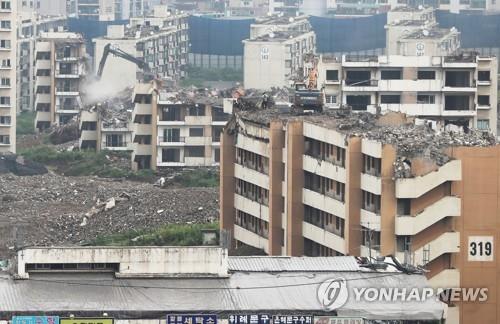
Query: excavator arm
{"points": [[109, 49]]}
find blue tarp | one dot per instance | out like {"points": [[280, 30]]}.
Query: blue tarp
{"points": [[218, 36]]}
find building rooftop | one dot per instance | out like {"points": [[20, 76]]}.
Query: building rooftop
{"points": [[430, 33], [256, 285], [275, 20], [410, 137], [278, 36], [63, 36], [410, 9]]}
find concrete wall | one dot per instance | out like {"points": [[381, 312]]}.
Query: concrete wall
{"points": [[135, 261]]}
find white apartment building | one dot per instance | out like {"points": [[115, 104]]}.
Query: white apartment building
{"points": [[267, 25], [28, 30], [173, 130], [8, 51], [60, 68], [43, 7], [247, 8], [126, 9], [470, 6], [272, 59], [460, 90], [292, 8], [101, 10], [163, 47]]}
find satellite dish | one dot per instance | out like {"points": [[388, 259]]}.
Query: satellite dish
{"points": [[420, 7], [271, 35], [396, 21], [291, 20], [425, 32], [453, 29]]}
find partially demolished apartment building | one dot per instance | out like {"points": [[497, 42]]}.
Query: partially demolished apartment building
{"points": [[8, 76], [160, 41], [345, 183], [274, 52], [60, 69], [175, 128], [424, 74]]}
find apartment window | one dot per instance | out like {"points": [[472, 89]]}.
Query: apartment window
{"points": [[196, 132], [197, 110], [372, 165], [483, 76], [216, 155], [252, 192], [403, 243], [331, 99], [6, 63], [171, 135], [171, 155], [115, 140], [43, 72], [5, 5], [371, 202], [89, 126], [43, 55], [483, 100], [404, 206], [483, 124], [390, 74], [426, 75], [332, 75], [252, 160], [5, 82], [5, 24], [5, 43], [390, 99], [371, 238], [4, 120], [4, 139], [4, 100], [195, 151], [426, 99]]}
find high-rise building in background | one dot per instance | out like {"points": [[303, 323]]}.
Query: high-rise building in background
{"points": [[8, 57]]}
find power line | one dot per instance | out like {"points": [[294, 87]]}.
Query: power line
{"points": [[74, 283]]}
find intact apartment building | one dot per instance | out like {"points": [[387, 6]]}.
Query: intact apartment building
{"points": [[29, 28], [97, 10], [292, 8], [60, 68], [459, 90], [331, 184], [8, 56], [164, 48], [247, 8], [170, 129], [270, 60]]}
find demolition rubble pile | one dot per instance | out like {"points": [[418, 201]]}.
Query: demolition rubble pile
{"points": [[410, 138], [54, 210]]}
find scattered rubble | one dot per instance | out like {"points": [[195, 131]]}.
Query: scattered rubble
{"points": [[11, 163], [55, 210]]}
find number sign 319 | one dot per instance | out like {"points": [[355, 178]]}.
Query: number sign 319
{"points": [[481, 248]]}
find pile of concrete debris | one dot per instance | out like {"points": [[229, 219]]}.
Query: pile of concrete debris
{"points": [[54, 210]]}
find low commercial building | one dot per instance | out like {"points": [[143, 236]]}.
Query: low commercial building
{"points": [[271, 60], [459, 89], [162, 284], [343, 183], [60, 69], [175, 128]]}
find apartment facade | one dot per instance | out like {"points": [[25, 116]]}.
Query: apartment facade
{"points": [[8, 58], [459, 90], [246, 8], [324, 185], [60, 69], [271, 60], [28, 30], [100, 10], [292, 8], [168, 131], [164, 48]]}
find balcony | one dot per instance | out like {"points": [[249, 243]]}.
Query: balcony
{"points": [[67, 92], [360, 61], [446, 278], [142, 149], [409, 85], [323, 202], [252, 145], [323, 237], [252, 176], [371, 184], [448, 242], [370, 220], [171, 141], [411, 225], [360, 86], [43, 116], [411, 109], [72, 75], [142, 129], [198, 120], [251, 207], [416, 187], [196, 161], [250, 238], [198, 140], [459, 112], [324, 168], [88, 135]]}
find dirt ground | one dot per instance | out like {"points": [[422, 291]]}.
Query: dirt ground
{"points": [[51, 209]]}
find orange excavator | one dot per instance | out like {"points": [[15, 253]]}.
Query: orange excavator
{"points": [[309, 97]]}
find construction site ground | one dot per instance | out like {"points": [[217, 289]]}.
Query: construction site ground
{"points": [[52, 209]]}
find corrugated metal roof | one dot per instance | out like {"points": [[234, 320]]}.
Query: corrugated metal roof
{"points": [[284, 264], [242, 292]]}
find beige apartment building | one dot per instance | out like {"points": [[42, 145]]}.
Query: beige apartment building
{"points": [[170, 129], [8, 51], [60, 68], [270, 60], [459, 90], [340, 183]]}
